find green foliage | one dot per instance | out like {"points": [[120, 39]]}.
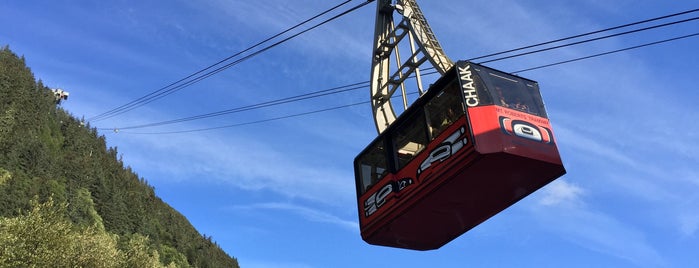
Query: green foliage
{"points": [[82, 210], [139, 254], [4, 176], [172, 257], [47, 153], [44, 238]]}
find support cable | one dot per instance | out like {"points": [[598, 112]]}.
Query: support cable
{"points": [[359, 85], [585, 34], [591, 40], [196, 77], [367, 102]]}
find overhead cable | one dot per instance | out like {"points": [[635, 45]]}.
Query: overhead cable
{"points": [[367, 102], [198, 76], [252, 122], [153, 96], [354, 86], [315, 94], [607, 53], [591, 39], [585, 34]]}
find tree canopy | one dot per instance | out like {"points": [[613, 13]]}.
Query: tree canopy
{"points": [[59, 172]]}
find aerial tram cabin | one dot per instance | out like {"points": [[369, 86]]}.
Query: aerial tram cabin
{"points": [[60, 94], [475, 143]]}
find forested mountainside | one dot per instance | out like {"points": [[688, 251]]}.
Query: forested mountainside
{"points": [[66, 200]]}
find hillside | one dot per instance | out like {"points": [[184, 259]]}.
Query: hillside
{"points": [[49, 159]]}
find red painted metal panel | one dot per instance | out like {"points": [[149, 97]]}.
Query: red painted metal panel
{"points": [[499, 129], [452, 186]]}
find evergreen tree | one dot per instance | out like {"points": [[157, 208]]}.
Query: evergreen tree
{"points": [[48, 155]]}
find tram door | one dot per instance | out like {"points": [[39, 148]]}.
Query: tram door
{"points": [[477, 142]]}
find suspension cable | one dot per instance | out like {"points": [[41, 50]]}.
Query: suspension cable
{"points": [[198, 76], [366, 102], [585, 34], [354, 86]]}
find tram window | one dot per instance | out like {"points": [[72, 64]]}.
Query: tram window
{"points": [[515, 93], [372, 165], [506, 96], [537, 104], [444, 109], [410, 138]]}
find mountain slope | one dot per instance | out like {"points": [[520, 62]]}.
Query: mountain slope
{"points": [[47, 154]]}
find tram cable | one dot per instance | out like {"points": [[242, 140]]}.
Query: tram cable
{"points": [[347, 88], [171, 88], [201, 74], [251, 122], [296, 98], [607, 53], [591, 40], [163, 92], [354, 86], [585, 34], [184, 82]]}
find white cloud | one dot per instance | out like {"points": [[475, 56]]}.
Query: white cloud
{"points": [[563, 213], [651, 174], [560, 191], [687, 215], [247, 163], [270, 264], [689, 223], [307, 213], [271, 17], [588, 144]]}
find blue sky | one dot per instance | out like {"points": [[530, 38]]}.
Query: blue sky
{"points": [[281, 193]]}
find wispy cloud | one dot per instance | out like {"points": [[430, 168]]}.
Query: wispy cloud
{"points": [[307, 213], [689, 223], [243, 162], [270, 264], [564, 212], [587, 144], [269, 18], [605, 234], [561, 192], [634, 169]]}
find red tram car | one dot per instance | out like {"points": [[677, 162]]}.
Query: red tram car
{"points": [[476, 142]]}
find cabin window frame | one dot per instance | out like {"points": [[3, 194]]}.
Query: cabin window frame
{"points": [[513, 92], [373, 165]]}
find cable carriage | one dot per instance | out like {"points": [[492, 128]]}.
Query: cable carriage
{"points": [[475, 143], [60, 94]]}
